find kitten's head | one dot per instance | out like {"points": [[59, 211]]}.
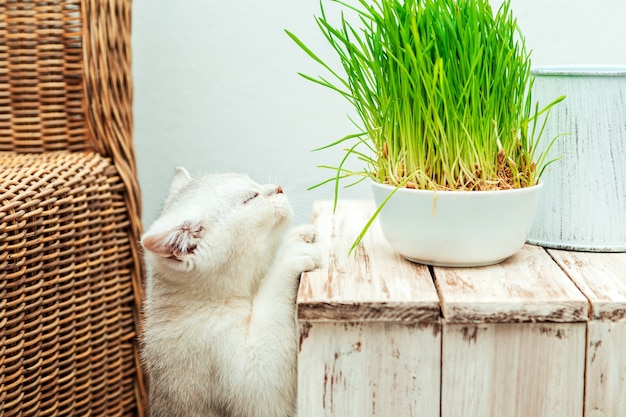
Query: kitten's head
{"points": [[213, 220]]}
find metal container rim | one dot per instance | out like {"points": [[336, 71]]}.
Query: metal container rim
{"points": [[580, 70]]}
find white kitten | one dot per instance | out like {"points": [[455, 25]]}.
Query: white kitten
{"points": [[220, 332]]}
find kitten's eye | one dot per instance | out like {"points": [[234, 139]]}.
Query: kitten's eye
{"points": [[251, 197]]}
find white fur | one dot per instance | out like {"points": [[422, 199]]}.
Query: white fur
{"points": [[220, 332]]}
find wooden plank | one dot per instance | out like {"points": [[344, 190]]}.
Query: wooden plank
{"points": [[373, 284], [605, 378], [513, 370], [602, 279], [528, 287], [369, 369]]}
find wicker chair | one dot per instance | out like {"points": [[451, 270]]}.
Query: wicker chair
{"points": [[70, 273]]}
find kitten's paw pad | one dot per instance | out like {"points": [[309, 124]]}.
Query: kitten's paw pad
{"points": [[306, 233]]}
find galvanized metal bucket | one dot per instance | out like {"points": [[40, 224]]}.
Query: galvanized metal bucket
{"points": [[583, 206]]}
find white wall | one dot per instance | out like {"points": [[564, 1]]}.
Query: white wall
{"points": [[216, 86]]}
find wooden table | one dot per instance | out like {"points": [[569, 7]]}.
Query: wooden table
{"points": [[541, 334]]}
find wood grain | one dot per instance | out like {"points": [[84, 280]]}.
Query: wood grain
{"points": [[512, 339], [605, 378], [528, 287], [602, 279], [513, 370], [369, 369], [373, 284]]}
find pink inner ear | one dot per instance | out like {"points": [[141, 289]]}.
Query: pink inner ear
{"points": [[175, 243]]}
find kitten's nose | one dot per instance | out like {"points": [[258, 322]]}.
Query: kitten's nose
{"points": [[280, 190]]}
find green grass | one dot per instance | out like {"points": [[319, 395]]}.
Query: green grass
{"points": [[442, 91]]}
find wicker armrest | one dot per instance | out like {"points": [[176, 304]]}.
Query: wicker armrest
{"points": [[67, 307]]}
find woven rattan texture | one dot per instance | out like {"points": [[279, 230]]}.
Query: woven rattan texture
{"points": [[41, 81], [67, 328]]}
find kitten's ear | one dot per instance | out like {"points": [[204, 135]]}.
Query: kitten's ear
{"points": [[174, 243], [180, 179]]}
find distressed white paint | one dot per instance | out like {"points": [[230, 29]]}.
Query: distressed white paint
{"points": [[372, 284], [513, 370], [370, 335], [584, 201], [605, 384], [369, 369], [498, 361], [602, 278], [527, 287], [514, 339]]}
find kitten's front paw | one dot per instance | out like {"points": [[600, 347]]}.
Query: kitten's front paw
{"points": [[306, 233], [307, 257], [302, 254]]}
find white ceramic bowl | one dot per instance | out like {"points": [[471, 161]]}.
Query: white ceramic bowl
{"points": [[456, 228]]}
